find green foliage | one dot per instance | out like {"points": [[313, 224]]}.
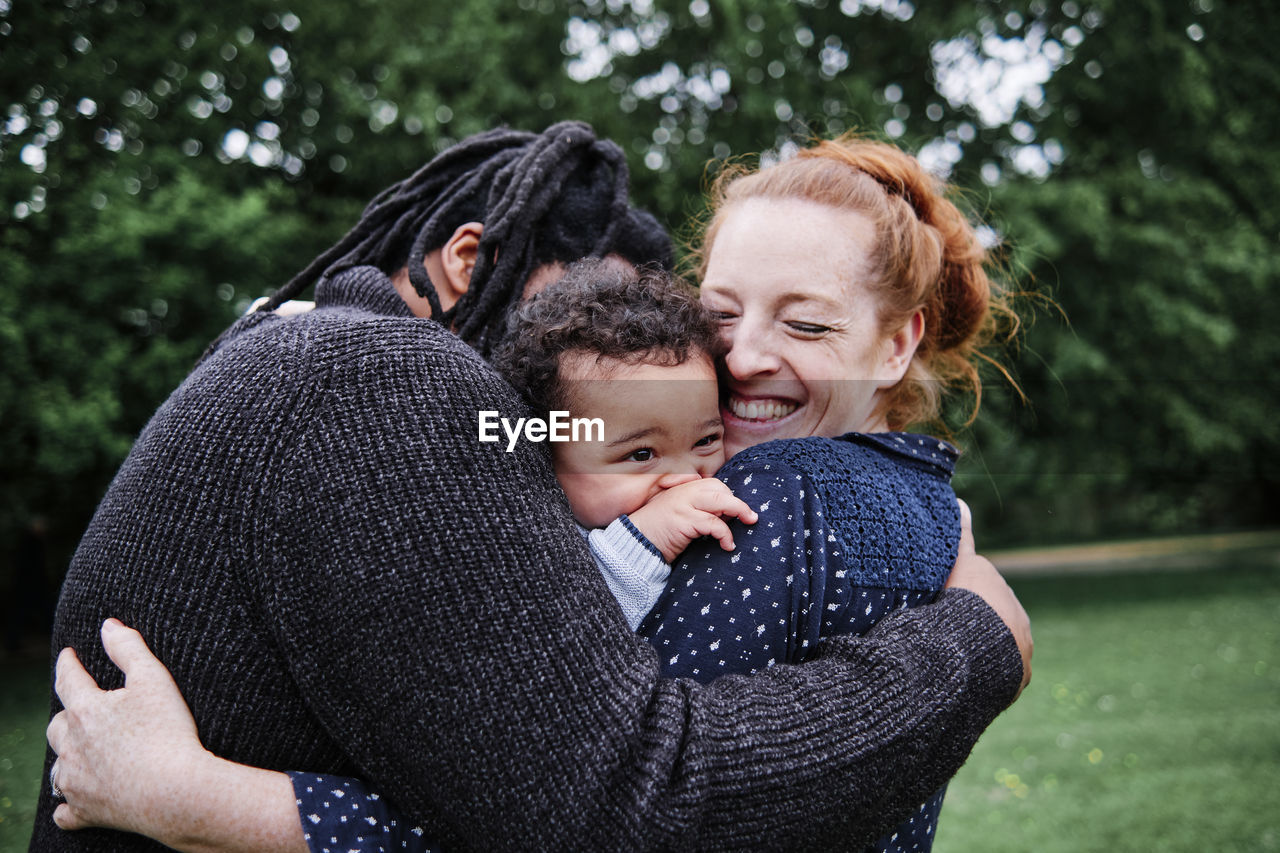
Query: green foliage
{"points": [[162, 163], [117, 309], [1158, 236]]}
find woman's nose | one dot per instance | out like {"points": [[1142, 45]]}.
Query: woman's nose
{"points": [[750, 353]]}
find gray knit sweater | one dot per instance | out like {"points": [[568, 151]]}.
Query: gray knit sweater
{"points": [[342, 578]]}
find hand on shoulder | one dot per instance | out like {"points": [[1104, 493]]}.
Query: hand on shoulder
{"points": [[977, 574]]}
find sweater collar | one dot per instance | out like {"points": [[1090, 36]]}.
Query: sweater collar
{"points": [[363, 287], [923, 449]]}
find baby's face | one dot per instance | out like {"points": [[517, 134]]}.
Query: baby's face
{"points": [[659, 423]]}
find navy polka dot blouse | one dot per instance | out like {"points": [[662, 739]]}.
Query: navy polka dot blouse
{"points": [[850, 529]]}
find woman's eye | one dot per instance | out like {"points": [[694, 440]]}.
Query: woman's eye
{"points": [[808, 328], [707, 440], [724, 316], [644, 454]]}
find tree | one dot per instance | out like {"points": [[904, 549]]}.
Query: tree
{"points": [[1158, 233], [162, 164]]}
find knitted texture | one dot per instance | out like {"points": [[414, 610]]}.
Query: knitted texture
{"points": [[631, 565], [343, 579], [848, 530], [887, 499]]}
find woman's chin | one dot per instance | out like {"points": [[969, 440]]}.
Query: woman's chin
{"points": [[741, 433]]}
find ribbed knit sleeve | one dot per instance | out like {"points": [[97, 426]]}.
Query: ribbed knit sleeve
{"points": [[631, 565]]}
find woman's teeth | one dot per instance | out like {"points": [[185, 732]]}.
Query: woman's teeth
{"points": [[760, 410]]}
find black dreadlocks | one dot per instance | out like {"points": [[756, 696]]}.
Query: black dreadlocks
{"points": [[551, 197]]}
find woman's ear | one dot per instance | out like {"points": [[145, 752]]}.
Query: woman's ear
{"points": [[901, 348], [457, 260]]}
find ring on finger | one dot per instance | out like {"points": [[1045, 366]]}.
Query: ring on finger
{"points": [[53, 782]]}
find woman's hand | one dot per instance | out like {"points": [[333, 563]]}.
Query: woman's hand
{"points": [[975, 573], [131, 759], [118, 749]]}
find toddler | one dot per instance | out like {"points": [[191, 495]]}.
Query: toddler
{"points": [[635, 350]]}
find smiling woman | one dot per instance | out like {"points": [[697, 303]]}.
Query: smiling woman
{"points": [[851, 295], [853, 292], [791, 296]]}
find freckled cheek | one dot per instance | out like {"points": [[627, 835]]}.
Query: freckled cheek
{"points": [[824, 364]]}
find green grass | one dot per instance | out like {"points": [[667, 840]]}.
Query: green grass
{"points": [[24, 711], [1153, 723]]}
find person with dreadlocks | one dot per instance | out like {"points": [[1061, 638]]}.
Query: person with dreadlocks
{"points": [[342, 578], [438, 232]]}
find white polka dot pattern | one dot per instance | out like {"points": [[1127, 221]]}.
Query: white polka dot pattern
{"points": [[341, 815], [850, 529]]}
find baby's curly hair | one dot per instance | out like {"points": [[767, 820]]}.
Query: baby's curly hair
{"points": [[608, 309]]}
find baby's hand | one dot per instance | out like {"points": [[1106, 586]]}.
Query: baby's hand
{"points": [[680, 514]]}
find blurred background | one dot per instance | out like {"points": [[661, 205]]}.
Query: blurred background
{"points": [[162, 164]]}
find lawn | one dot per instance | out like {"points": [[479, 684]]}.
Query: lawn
{"points": [[24, 711], [1153, 723]]}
